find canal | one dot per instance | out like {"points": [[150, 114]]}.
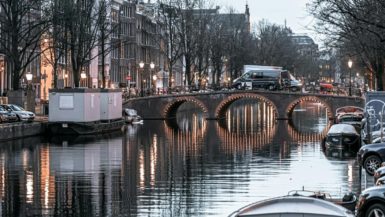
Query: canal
{"points": [[183, 167]]}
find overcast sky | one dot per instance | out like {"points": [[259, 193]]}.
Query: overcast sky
{"points": [[276, 11]]}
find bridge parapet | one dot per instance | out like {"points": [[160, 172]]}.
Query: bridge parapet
{"points": [[215, 104]]}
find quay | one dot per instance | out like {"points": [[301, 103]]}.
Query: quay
{"points": [[17, 130]]}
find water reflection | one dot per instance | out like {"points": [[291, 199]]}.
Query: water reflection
{"points": [[310, 117], [198, 168]]}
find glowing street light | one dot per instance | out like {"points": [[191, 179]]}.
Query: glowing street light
{"points": [[83, 75], [141, 64], [350, 64], [152, 66]]}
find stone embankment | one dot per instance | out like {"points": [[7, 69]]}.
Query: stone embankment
{"points": [[17, 130]]}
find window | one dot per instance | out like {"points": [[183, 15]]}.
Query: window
{"points": [[256, 75], [271, 74]]}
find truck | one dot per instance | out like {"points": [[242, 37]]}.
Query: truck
{"points": [[268, 77]]}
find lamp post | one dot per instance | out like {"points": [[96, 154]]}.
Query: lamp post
{"points": [[83, 76], [141, 66], [30, 102], [152, 66], [228, 82], [65, 79], [350, 64], [29, 78]]}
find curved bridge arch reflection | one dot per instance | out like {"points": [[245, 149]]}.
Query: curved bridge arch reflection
{"points": [[290, 108], [172, 107], [296, 135], [223, 107]]}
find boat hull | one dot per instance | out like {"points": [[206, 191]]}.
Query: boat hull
{"points": [[84, 128]]}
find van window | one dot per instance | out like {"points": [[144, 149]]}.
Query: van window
{"points": [[246, 75], [256, 75], [271, 74], [285, 74]]}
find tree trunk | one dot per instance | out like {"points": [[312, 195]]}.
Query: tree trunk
{"points": [[103, 64], [188, 70], [76, 76], [16, 76], [55, 75], [170, 76]]}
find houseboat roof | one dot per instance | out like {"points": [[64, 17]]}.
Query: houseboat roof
{"points": [[293, 206]]}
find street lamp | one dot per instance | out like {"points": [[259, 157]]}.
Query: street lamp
{"points": [[65, 79], [152, 66], [155, 78], [83, 76], [350, 64], [228, 82], [30, 102], [29, 77], [141, 66]]}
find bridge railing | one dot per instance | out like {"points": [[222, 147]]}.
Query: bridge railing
{"points": [[134, 92]]}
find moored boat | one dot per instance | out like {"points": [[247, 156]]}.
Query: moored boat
{"points": [[131, 116], [342, 136], [350, 115], [293, 206]]}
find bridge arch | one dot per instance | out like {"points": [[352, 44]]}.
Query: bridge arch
{"points": [[224, 104], [292, 105], [172, 107]]}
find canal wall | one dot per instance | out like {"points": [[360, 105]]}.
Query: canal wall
{"points": [[20, 130]]}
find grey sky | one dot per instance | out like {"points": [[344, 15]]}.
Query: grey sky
{"points": [[275, 11]]}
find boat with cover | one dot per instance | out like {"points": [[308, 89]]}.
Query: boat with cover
{"points": [[131, 116], [342, 136], [288, 206], [350, 115]]}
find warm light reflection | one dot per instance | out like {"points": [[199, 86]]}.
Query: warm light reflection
{"points": [[29, 187], [192, 128], [47, 183], [141, 170], [153, 159], [250, 125], [25, 157], [2, 177]]}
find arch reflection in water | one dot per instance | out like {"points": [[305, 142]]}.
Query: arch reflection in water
{"points": [[187, 130], [249, 115], [310, 117], [249, 125]]}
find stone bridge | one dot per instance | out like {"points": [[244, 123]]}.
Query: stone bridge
{"points": [[215, 104]]}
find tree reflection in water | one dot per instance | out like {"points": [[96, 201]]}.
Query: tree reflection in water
{"points": [[187, 166]]}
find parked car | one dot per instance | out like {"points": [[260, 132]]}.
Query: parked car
{"points": [[371, 156], [380, 172], [7, 116], [371, 202], [21, 114], [378, 140], [380, 181]]}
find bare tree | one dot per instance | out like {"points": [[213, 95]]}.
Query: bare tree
{"points": [[169, 14], [53, 38], [356, 27], [21, 27], [80, 20]]}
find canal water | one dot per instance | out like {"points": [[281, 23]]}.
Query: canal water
{"points": [[187, 166]]}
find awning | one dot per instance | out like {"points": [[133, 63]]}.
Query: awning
{"points": [[326, 85]]}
